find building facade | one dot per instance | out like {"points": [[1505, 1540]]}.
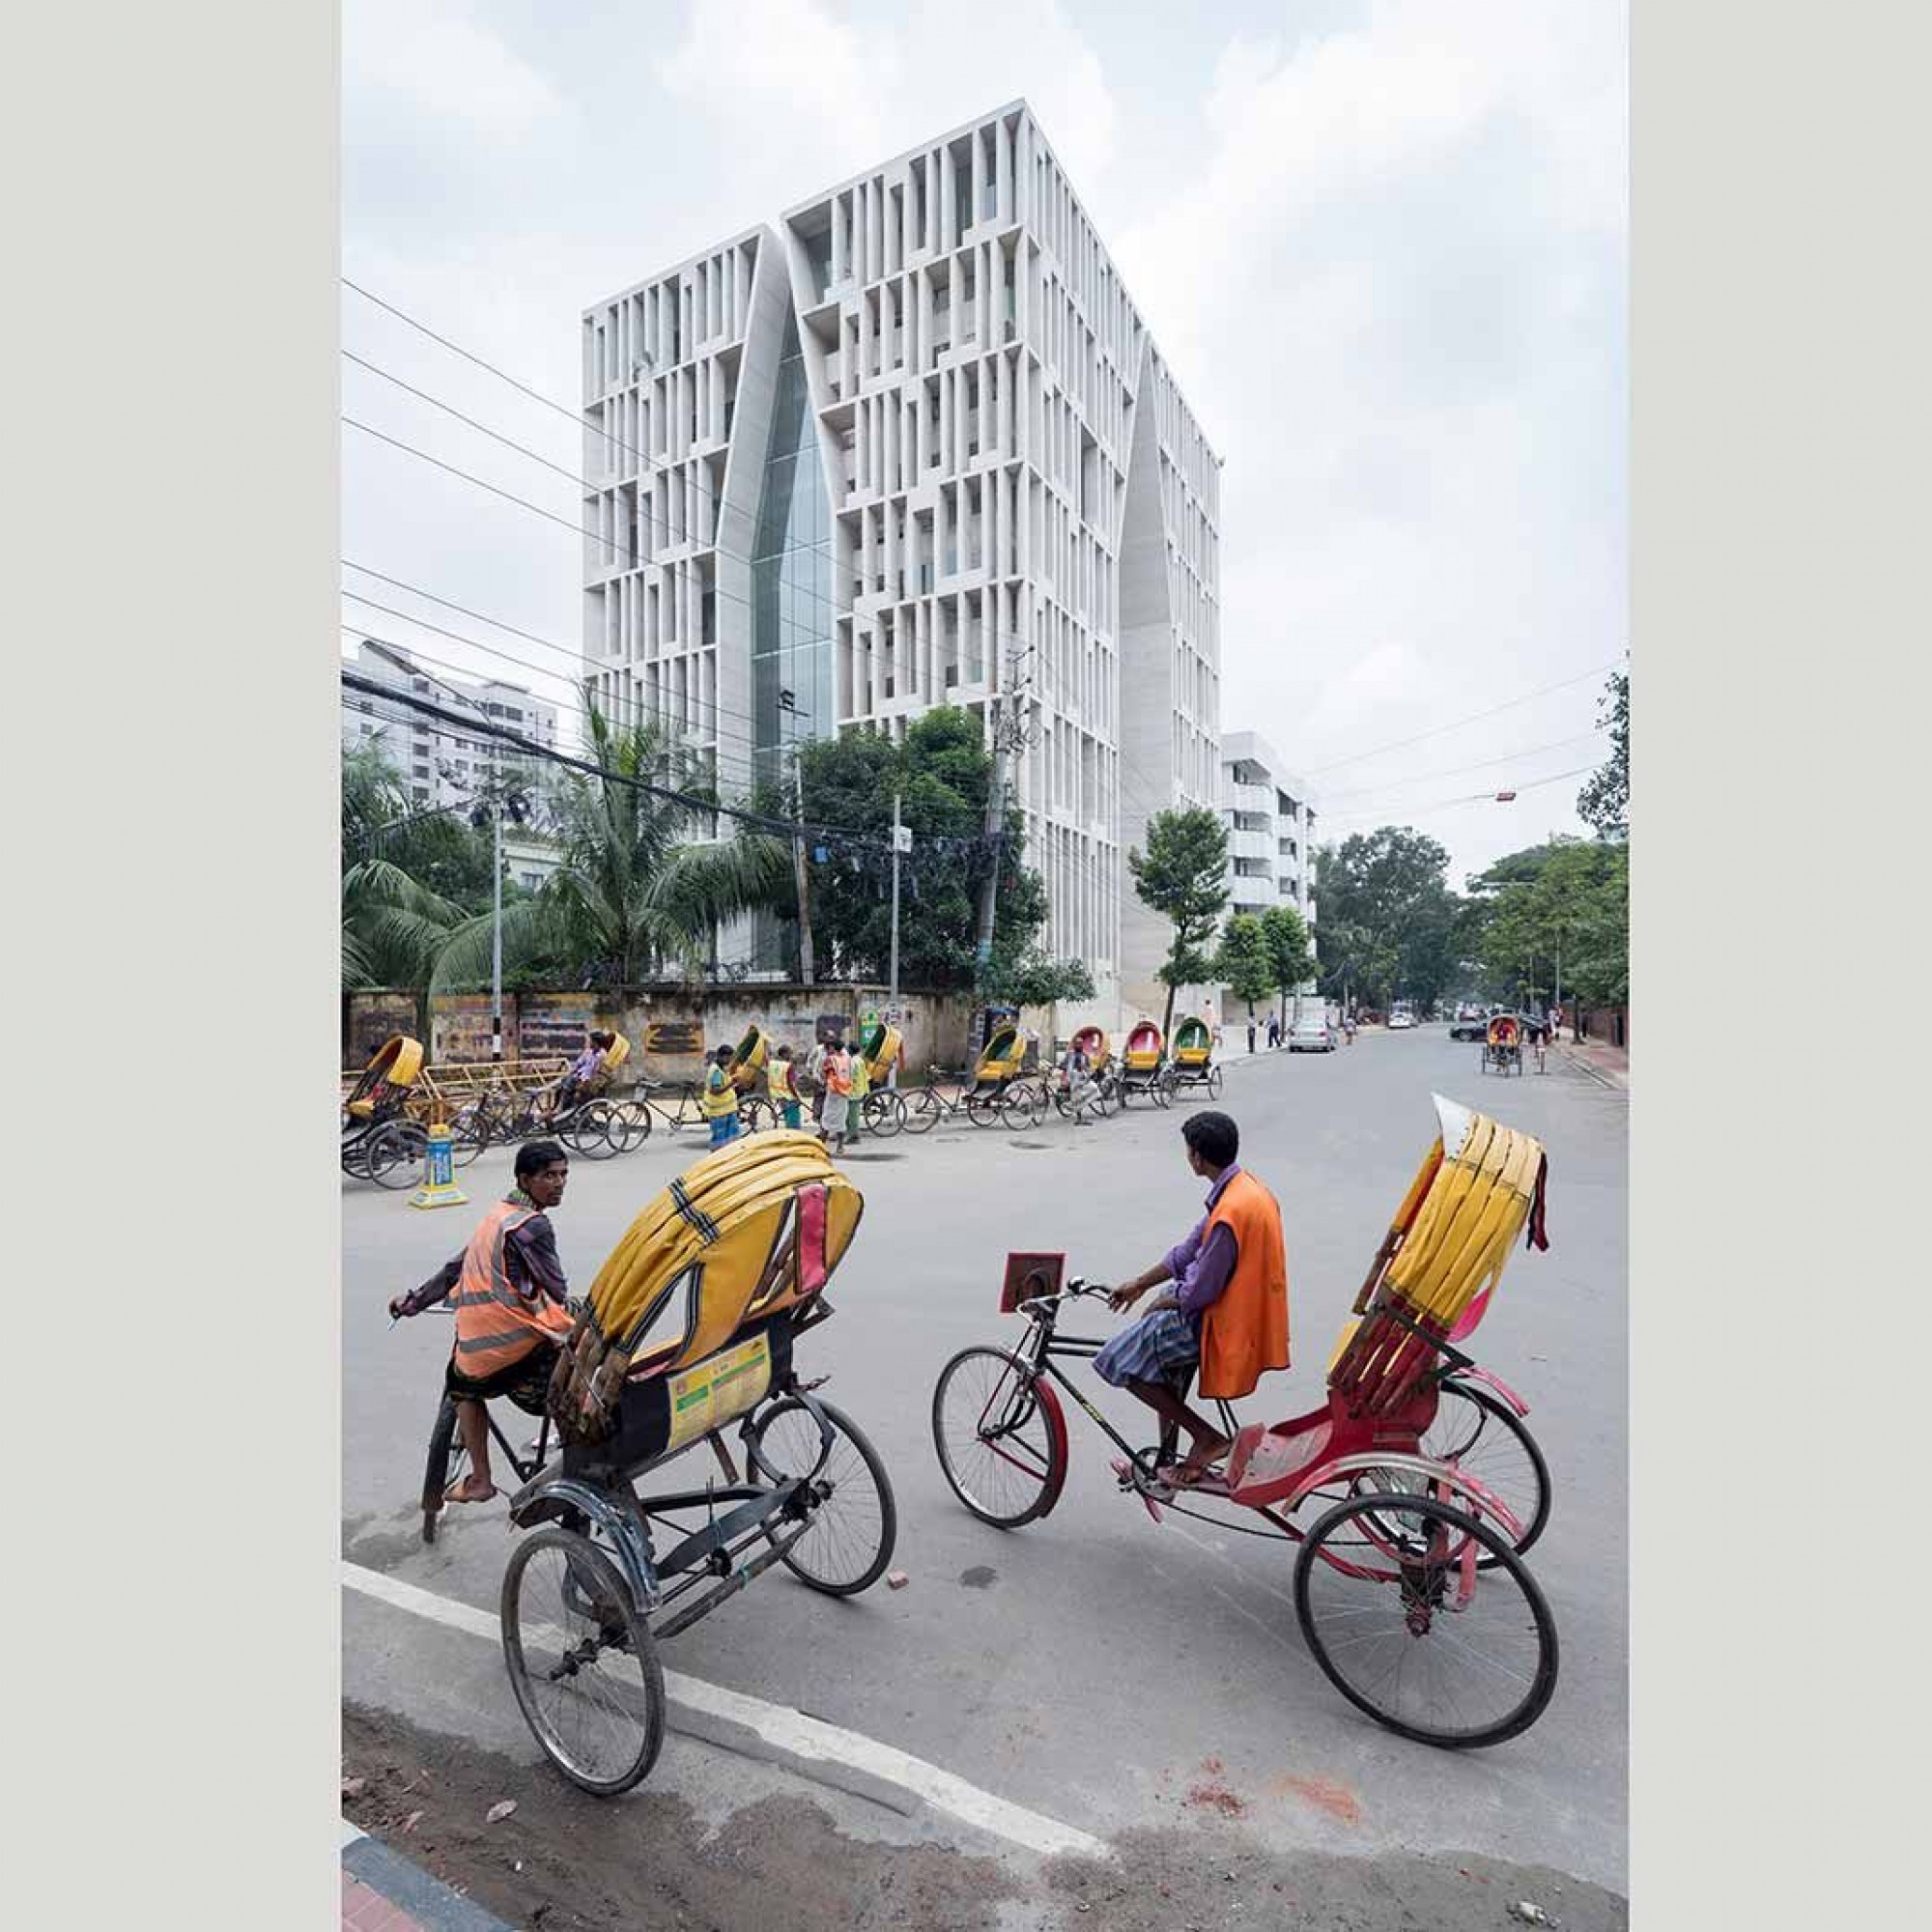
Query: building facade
{"points": [[440, 764], [913, 445], [1271, 817]]}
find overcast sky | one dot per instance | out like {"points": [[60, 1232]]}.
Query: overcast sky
{"points": [[1383, 246]]}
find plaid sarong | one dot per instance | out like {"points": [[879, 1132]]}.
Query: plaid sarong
{"points": [[1156, 1348]]}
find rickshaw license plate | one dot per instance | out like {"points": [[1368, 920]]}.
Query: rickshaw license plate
{"points": [[713, 1391]]}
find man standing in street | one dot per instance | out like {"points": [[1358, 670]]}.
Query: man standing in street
{"points": [[510, 1309], [718, 1102]]}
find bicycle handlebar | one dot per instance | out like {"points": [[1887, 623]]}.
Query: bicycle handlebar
{"points": [[1076, 1288]]}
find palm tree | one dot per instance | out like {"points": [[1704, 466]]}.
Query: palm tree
{"points": [[393, 924], [635, 887]]}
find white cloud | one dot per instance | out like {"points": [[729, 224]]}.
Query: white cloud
{"points": [[435, 58]]}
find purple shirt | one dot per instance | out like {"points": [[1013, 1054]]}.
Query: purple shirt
{"points": [[1201, 1268]]}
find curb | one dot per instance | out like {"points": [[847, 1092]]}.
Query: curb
{"points": [[383, 1891], [1603, 1076]]}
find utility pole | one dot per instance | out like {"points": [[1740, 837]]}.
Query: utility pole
{"points": [[1005, 721], [800, 876], [901, 841], [497, 910]]}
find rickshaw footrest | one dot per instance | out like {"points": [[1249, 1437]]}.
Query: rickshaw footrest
{"points": [[703, 1544]]}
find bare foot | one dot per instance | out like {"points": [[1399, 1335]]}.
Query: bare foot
{"points": [[1201, 1460], [470, 1490]]}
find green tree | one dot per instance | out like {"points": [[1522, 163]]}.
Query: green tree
{"points": [[1182, 875], [1246, 962], [1604, 804], [1565, 904], [642, 882], [942, 773], [1388, 917], [1033, 979], [1291, 951]]}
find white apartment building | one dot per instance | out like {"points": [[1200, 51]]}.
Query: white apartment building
{"points": [[1270, 818], [914, 445], [440, 765]]}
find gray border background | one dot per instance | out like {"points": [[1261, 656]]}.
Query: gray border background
{"points": [[170, 490]]}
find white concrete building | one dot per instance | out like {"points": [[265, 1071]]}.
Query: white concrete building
{"points": [[911, 446], [1271, 817], [440, 765]]}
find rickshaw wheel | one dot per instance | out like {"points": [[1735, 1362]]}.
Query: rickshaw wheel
{"points": [[920, 1114], [1379, 1594], [394, 1155], [853, 1530], [983, 1109], [585, 1131], [1164, 1086], [629, 1126], [469, 1134], [1216, 1080], [1484, 1437], [1023, 1106], [1017, 1481], [884, 1113], [583, 1662]]}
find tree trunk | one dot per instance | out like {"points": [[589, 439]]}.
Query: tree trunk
{"points": [[1166, 1017]]}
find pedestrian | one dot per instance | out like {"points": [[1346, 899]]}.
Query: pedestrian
{"points": [[1076, 1075], [719, 1101], [1226, 1309], [1274, 1031], [859, 1072], [833, 1116], [511, 1309], [782, 1081]]}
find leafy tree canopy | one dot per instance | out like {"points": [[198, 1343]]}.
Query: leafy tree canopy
{"points": [[1182, 875], [1246, 963], [1390, 925], [1604, 804]]}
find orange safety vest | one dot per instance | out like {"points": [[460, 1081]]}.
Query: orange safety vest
{"points": [[1244, 1331], [496, 1324]]}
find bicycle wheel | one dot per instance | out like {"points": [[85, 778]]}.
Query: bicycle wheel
{"points": [[393, 1157], [448, 1460], [1002, 1450], [854, 1529], [923, 1111], [1165, 1085], [583, 1130], [1023, 1106], [628, 1127], [983, 1109], [1402, 1627], [884, 1113], [469, 1134], [1485, 1439], [1216, 1080], [756, 1114], [1107, 1099], [583, 1662]]}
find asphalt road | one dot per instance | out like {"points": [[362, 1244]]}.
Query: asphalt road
{"points": [[1095, 1667]]}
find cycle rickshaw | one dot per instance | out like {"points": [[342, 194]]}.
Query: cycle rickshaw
{"points": [[1001, 1062], [690, 1331], [884, 1109], [1410, 1586], [380, 1141], [1144, 1066], [1502, 1046], [1193, 1062]]}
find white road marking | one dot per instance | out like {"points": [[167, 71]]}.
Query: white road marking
{"points": [[788, 1730]]}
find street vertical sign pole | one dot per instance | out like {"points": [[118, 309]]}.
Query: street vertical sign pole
{"points": [[897, 847]]}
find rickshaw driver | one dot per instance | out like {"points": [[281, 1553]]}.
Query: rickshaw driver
{"points": [[511, 1310], [1227, 1310]]}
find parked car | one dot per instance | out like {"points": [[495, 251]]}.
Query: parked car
{"points": [[1311, 1033], [1469, 1025], [1398, 1021]]}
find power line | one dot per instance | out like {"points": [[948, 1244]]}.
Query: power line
{"points": [[1474, 797], [1486, 765], [692, 802], [1475, 716]]}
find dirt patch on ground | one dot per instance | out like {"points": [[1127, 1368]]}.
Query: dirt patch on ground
{"points": [[566, 1863], [1214, 1878]]}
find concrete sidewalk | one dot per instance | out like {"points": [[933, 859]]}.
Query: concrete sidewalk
{"points": [[1610, 1064]]}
